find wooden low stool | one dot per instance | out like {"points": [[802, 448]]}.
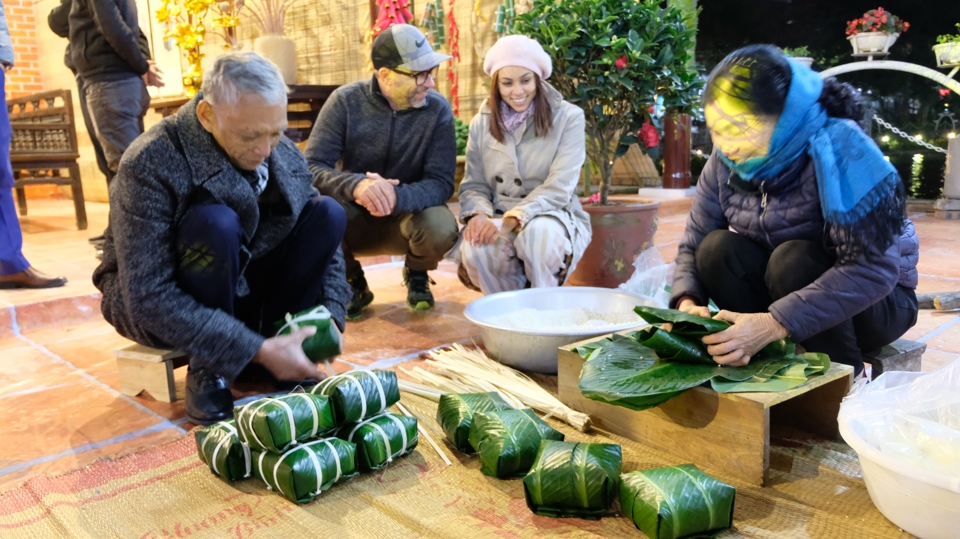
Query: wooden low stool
{"points": [[149, 369], [900, 355], [728, 433]]}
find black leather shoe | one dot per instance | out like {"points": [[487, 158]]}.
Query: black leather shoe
{"points": [[208, 397]]}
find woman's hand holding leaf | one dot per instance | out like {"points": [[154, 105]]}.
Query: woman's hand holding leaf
{"points": [[689, 306], [749, 333]]}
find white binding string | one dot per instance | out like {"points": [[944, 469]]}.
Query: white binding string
{"points": [[403, 430], [246, 449], [383, 396], [313, 408], [315, 314], [336, 458], [248, 412], [313, 457], [363, 395], [383, 434], [262, 474]]}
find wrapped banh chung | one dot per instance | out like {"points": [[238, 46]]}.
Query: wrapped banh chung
{"points": [[455, 414], [276, 423], [325, 343], [380, 439], [573, 479], [221, 449], [675, 502], [507, 441], [301, 473], [357, 395]]}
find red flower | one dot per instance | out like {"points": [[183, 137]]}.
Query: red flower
{"points": [[649, 135], [621, 62]]}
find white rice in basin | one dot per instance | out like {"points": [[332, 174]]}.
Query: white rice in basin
{"points": [[573, 320]]}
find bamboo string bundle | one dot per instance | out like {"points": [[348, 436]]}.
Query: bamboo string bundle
{"points": [[463, 370]]}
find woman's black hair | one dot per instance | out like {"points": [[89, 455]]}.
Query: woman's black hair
{"points": [[759, 76]]}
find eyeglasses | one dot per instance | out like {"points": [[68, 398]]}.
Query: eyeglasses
{"points": [[421, 77]]}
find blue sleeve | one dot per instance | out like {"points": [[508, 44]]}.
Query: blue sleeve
{"points": [[6, 45]]}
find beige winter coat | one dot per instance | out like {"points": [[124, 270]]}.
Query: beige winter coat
{"points": [[533, 177]]}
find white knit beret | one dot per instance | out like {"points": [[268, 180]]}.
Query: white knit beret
{"points": [[521, 51]]}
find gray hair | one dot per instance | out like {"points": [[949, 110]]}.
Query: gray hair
{"points": [[235, 73]]}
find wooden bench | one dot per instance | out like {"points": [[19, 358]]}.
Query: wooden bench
{"points": [[727, 433], [900, 355], [148, 369], [44, 144]]}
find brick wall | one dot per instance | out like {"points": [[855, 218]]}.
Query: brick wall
{"points": [[24, 78]]}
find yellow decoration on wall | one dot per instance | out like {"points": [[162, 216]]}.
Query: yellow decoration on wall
{"points": [[185, 26]]}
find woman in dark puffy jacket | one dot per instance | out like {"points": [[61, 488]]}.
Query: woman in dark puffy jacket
{"points": [[798, 227]]}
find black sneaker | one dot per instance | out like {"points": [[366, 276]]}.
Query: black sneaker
{"points": [[362, 296], [418, 288]]}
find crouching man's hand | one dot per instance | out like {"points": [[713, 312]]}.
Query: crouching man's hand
{"points": [[283, 355]]}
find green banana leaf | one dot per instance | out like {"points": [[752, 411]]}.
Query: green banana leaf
{"points": [[507, 441], [772, 379], [276, 423], [220, 448], [573, 480], [302, 473], [382, 438], [455, 414], [357, 395], [684, 342], [675, 502], [325, 343]]}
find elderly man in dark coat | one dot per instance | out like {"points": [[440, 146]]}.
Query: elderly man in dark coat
{"points": [[216, 232]]}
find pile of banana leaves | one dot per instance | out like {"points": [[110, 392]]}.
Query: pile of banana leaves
{"points": [[507, 441], [651, 366], [675, 502], [455, 415]]}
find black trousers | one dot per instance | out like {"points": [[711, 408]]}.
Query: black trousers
{"points": [[742, 276], [288, 279]]}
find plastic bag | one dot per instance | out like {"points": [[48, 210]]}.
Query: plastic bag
{"points": [[913, 419], [651, 279]]}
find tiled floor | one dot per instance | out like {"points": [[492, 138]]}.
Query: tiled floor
{"points": [[58, 378]]}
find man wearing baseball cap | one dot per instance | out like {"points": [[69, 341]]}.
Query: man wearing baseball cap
{"points": [[393, 137]]}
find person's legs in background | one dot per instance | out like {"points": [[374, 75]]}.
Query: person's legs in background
{"points": [[97, 241], [493, 267], [116, 110], [15, 271], [543, 246], [428, 234]]}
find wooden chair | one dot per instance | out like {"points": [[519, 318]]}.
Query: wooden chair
{"points": [[44, 145]]}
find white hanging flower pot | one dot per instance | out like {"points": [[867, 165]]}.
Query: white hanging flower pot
{"points": [[948, 54], [803, 60], [280, 50], [867, 42]]}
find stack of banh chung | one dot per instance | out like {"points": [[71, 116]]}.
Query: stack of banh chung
{"points": [[301, 444]]}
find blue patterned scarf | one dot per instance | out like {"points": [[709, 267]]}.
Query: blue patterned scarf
{"points": [[854, 180]]}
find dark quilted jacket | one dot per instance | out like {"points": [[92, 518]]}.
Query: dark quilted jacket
{"points": [[787, 207]]}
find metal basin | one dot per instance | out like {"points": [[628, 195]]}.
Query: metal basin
{"points": [[536, 350]]}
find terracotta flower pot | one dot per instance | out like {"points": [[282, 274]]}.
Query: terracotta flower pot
{"points": [[620, 234]]}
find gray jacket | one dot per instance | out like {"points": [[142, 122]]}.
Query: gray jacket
{"points": [[357, 132], [173, 167], [787, 207]]}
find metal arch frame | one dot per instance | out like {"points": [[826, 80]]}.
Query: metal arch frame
{"points": [[945, 80]]}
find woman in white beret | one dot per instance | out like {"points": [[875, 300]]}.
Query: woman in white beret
{"points": [[524, 224]]}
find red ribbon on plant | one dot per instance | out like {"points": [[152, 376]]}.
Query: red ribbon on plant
{"points": [[455, 52]]}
